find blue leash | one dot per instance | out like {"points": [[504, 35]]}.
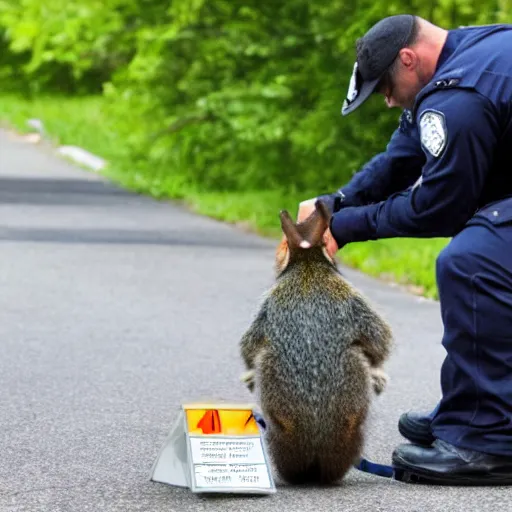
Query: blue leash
{"points": [[364, 465], [375, 469]]}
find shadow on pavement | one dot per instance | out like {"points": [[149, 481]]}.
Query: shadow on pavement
{"points": [[127, 237], [62, 192], [53, 191]]}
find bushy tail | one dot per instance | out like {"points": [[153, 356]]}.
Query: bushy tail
{"points": [[298, 461]]}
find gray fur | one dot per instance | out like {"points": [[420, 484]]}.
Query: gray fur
{"points": [[315, 353]]}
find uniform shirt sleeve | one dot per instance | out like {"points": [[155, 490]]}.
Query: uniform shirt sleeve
{"points": [[452, 179], [393, 170]]}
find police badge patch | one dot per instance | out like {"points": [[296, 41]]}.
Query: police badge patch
{"points": [[433, 131]]}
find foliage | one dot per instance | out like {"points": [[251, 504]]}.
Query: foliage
{"points": [[70, 46], [221, 94], [237, 95]]}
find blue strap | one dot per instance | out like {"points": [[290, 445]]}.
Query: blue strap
{"points": [[259, 419], [375, 469]]}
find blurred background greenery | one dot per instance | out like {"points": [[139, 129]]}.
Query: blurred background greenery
{"points": [[231, 106]]}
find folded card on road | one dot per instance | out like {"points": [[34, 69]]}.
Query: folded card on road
{"points": [[215, 448]]}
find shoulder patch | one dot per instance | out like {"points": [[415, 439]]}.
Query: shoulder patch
{"points": [[433, 132]]}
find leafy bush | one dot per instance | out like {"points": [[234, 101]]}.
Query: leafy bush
{"points": [[244, 95], [70, 46], [220, 95]]}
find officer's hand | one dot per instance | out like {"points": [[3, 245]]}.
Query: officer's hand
{"points": [[305, 209]]}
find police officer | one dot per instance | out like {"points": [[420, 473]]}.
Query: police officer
{"points": [[447, 172]]}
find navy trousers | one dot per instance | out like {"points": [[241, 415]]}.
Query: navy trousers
{"points": [[474, 277]]}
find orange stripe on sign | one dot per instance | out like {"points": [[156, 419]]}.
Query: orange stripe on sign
{"points": [[210, 422]]}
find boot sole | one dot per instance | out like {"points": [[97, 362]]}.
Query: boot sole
{"points": [[412, 435], [404, 472]]}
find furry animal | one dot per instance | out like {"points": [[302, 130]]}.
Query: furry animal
{"points": [[314, 352]]}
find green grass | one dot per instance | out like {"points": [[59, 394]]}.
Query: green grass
{"points": [[79, 122], [82, 122]]}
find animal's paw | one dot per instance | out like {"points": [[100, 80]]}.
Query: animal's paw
{"points": [[379, 379], [249, 378]]}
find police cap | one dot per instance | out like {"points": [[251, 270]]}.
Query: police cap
{"points": [[376, 51]]}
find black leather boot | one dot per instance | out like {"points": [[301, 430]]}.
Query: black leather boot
{"points": [[445, 464], [416, 428]]}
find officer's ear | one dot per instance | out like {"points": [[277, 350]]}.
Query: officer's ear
{"points": [[408, 58]]}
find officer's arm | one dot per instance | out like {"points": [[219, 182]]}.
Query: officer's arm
{"points": [[395, 169], [459, 154]]}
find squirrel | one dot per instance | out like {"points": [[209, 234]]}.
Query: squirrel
{"points": [[315, 351]]}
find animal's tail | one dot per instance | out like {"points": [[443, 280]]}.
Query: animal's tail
{"points": [[363, 465]]}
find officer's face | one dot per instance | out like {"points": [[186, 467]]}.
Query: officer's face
{"points": [[403, 81]]}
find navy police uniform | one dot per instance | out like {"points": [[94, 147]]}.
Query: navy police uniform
{"points": [[447, 172]]}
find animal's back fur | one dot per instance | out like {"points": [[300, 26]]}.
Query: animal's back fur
{"points": [[314, 386], [316, 350]]}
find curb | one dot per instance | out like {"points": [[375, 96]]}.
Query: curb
{"points": [[74, 153]]}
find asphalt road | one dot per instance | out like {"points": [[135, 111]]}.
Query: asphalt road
{"points": [[116, 308]]}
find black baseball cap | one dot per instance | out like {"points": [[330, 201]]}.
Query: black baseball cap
{"points": [[376, 51]]}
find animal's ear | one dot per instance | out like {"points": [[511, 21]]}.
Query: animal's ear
{"points": [[290, 231], [316, 224], [282, 255], [321, 207]]}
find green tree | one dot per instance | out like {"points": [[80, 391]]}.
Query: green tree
{"points": [[221, 94]]}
